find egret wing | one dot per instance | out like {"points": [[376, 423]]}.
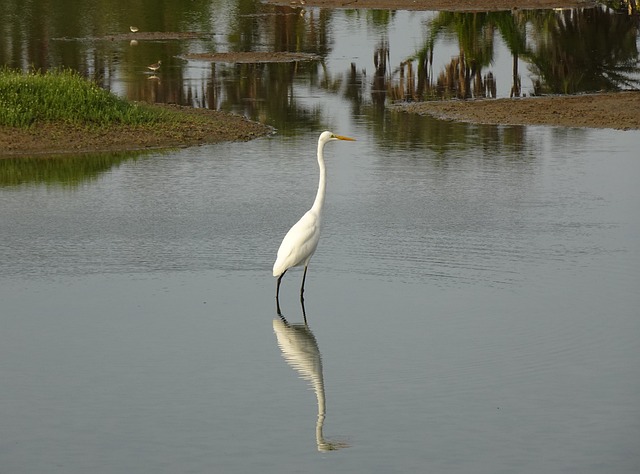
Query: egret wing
{"points": [[299, 244]]}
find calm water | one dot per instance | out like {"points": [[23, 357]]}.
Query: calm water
{"points": [[475, 310], [472, 306]]}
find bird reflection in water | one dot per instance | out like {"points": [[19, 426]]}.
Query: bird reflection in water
{"points": [[300, 349]]}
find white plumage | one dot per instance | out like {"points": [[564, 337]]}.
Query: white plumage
{"points": [[301, 241]]}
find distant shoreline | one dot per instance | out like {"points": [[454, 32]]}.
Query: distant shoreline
{"points": [[439, 5], [619, 110], [616, 110]]}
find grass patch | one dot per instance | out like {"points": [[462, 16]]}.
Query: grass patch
{"points": [[60, 112], [64, 96]]}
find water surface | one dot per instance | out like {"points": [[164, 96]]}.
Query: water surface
{"points": [[475, 309], [472, 306]]}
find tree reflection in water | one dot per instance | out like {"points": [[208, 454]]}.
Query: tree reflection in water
{"points": [[568, 51]]}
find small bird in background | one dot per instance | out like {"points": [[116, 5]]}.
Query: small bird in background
{"points": [[155, 66], [134, 29], [301, 241]]}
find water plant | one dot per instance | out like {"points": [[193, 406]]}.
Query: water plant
{"points": [[64, 95]]}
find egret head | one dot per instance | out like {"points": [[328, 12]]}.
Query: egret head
{"points": [[330, 136]]}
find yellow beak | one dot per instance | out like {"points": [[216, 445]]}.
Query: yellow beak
{"points": [[341, 137]]}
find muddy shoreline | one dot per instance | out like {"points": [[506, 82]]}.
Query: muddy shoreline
{"points": [[197, 127], [616, 110], [438, 5]]}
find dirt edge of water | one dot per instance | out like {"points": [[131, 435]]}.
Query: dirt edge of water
{"points": [[196, 127], [616, 110], [438, 5]]}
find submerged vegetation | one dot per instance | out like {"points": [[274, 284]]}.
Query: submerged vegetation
{"points": [[64, 95]]}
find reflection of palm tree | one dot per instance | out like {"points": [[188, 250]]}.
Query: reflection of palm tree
{"points": [[462, 77], [571, 51], [300, 349], [513, 29], [475, 34], [584, 50], [378, 88]]}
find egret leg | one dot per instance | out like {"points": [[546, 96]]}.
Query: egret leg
{"points": [[278, 285], [304, 313], [304, 276]]}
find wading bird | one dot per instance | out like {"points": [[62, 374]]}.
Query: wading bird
{"points": [[155, 66], [301, 241], [134, 29]]}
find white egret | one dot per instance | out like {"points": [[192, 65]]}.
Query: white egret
{"points": [[301, 241]]}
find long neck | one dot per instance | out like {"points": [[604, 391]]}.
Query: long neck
{"points": [[322, 183]]}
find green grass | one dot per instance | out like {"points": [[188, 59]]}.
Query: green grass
{"points": [[64, 96]]}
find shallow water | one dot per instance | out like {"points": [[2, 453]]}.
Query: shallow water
{"points": [[472, 306], [475, 309]]}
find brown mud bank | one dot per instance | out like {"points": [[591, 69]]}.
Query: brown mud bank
{"points": [[439, 5], [618, 110], [194, 127], [253, 57]]}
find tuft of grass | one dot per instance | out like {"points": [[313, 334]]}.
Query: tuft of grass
{"points": [[64, 96]]}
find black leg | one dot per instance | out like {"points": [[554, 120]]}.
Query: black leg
{"points": [[304, 313], [304, 276], [278, 285]]}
